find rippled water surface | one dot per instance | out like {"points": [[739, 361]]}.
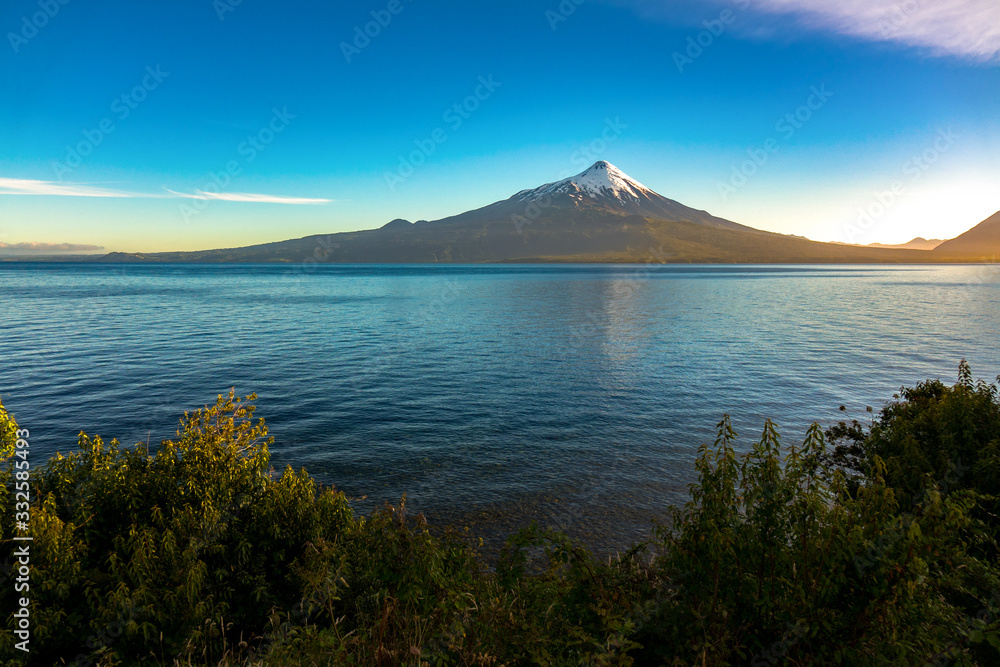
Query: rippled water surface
{"points": [[577, 394]]}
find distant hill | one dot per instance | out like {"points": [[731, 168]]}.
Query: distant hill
{"points": [[919, 243], [43, 250], [599, 215], [982, 241]]}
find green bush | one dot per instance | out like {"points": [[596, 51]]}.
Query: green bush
{"points": [[769, 560], [882, 552], [136, 553], [948, 434], [8, 431], [199, 553]]}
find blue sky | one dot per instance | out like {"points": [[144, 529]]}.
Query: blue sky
{"points": [[200, 123]]}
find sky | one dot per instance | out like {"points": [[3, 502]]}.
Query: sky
{"points": [[194, 124]]}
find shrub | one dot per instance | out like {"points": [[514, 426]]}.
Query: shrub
{"points": [[200, 553], [181, 552], [768, 560]]}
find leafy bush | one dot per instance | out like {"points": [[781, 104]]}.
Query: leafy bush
{"points": [[950, 433], [136, 553], [768, 560], [8, 431], [200, 553]]}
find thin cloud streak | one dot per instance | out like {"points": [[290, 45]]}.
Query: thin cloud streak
{"points": [[249, 197], [20, 186], [965, 28]]}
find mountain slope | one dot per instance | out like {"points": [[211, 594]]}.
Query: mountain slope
{"points": [[560, 236], [982, 241], [599, 215], [602, 186]]}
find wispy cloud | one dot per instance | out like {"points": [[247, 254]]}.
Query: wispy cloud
{"points": [[968, 29], [20, 186], [964, 28], [248, 197]]}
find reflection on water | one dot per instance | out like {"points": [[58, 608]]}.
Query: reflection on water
{"points": [[577, 394]]}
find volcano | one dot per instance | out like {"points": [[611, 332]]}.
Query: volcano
{"points": [[599, 215]]}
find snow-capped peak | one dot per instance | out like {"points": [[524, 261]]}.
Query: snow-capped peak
{"points": [[602, 179]]}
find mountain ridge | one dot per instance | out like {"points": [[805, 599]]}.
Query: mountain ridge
{"points": [[599, 215], [918, 243], [601, 185], [983, 240]]}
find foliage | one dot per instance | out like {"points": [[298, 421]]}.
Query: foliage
{"points": [[200, 553], [8, 440], [951, 434], [8, 431], [932, 434], [168, 550], [769, 561]]}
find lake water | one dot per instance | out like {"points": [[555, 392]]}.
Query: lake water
{"points": [[489, 394]]}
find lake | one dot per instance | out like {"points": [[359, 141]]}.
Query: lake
{"points": [[490, 395]]}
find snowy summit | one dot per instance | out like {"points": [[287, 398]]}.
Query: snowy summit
{"points": [[602, 179], [599, 189]]}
